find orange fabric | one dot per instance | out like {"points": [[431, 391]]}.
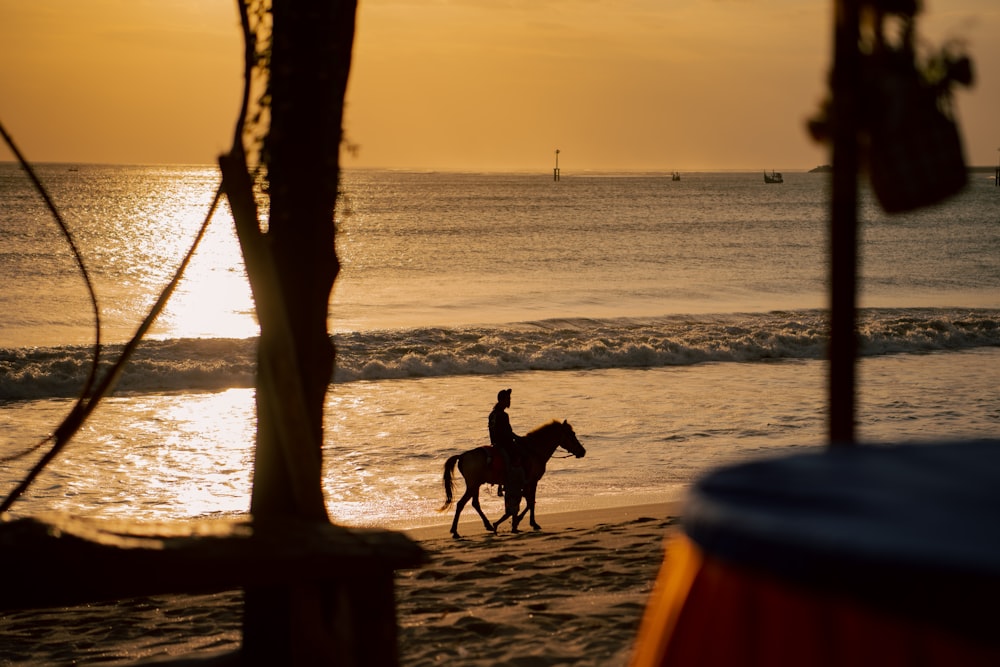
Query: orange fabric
{"points": [[706, 613], [681, 564]]}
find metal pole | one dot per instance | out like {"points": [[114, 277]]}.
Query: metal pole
{"points": [[844, 222]]}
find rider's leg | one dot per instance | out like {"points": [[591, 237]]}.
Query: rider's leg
{"points": [[505, 457]]}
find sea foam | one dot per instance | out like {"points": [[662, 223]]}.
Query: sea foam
{"points": [[564, 344]]}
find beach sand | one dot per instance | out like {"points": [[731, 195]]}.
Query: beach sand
{"points": [[571, 594]]}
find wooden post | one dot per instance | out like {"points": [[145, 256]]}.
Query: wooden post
{"points": [[844, 222]]}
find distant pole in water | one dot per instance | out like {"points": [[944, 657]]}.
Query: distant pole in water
{"points": [[555, 172]]}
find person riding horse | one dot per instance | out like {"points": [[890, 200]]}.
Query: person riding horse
{"points": [[505, 441]]}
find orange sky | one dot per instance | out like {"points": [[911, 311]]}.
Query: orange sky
{"points": [[467, 84]]}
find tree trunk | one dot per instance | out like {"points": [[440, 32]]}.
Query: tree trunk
{"points": [[311, 56], [292, 268]]}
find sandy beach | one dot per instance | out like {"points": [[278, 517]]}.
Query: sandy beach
{"points": [[571, 594]]}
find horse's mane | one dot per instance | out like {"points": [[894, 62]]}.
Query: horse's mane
{"points": [[544, 427]]}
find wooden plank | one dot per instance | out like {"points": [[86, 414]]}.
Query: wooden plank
{"points": [[60, 560]]}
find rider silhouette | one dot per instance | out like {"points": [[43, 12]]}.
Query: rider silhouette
{"points": [[505, 441]]}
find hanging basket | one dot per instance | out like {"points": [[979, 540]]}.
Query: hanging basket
{"points": [[915, 151], [915, 155]]}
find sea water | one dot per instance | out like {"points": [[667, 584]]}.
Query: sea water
{"points": [[677, 326]]}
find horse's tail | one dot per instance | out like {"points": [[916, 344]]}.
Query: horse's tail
{"points": [[449, 482]]}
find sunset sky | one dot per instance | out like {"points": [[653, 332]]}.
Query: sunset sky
{"points": [[468, 84]]}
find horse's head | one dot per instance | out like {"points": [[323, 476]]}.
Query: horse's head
{"points": [[569, 442]]}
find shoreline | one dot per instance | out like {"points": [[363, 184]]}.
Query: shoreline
{"points": [[471, 527]]}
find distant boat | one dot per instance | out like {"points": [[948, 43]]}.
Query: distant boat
{"points": [[775, 177], [675, 176]]}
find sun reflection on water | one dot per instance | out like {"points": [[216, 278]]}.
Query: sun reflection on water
{"points": [[160, 457], [213, 298], [134, 225]]}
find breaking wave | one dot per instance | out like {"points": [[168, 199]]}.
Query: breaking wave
{"points": [[214, 364]]}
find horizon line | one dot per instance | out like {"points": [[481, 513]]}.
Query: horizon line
{"points": [[471, 170]]}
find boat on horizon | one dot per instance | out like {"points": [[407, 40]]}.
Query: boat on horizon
{"points": [[775, 177], [675, 176]]}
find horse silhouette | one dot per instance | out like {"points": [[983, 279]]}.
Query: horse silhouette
{"points": [[478, 467]]}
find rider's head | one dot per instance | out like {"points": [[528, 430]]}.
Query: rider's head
{"points": [[503, 397]]}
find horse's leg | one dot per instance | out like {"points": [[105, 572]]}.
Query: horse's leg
{"points": [[482, 514], [458, 511], [513, 505], [496, 523], [529, 496]]}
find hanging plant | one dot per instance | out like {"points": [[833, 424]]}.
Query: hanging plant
{"points": [[908, 135]]}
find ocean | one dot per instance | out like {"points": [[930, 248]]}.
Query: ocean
{"points": [[677, 326]]}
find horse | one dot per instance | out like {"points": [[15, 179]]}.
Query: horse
{"points": [[536, 448]]}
